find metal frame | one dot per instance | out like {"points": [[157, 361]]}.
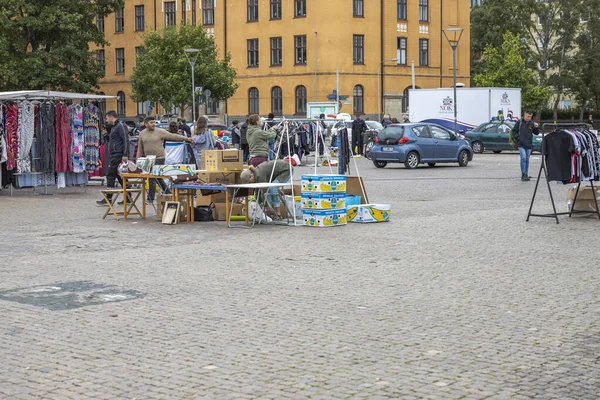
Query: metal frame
{"points": [[543, 168]]}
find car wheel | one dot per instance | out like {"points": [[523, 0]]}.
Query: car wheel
{"points": [[379, 164], [463, 158], [431, 164], [412, 160], [497, 151], [368, 149], [478, 147]]}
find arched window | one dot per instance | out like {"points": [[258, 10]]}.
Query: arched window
{"points": [[121, 101], [276, 101], [405, 98], [300, 100], [359, 104], [253, 101]]}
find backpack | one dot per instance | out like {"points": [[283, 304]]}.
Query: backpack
{"points": [[513, 138]]}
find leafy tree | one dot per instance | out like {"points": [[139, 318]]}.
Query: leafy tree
{"points": [[505, 67], [45, 44], [163, 73]]}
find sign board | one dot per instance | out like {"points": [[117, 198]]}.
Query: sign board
{"points": [[314, 109]]}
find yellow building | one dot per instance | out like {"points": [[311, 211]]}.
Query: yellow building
{"points": [[287, 52]]}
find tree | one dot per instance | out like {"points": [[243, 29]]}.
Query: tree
{"points": [[163, 74], [45, 44], [505, 67]]}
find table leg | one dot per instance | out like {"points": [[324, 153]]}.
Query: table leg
{"points": [[227, 207], [190, 205], [144, 181], [124, 198], [247, 212]]}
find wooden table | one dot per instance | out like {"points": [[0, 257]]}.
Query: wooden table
{"points": [[189, 191], [133, 179]]}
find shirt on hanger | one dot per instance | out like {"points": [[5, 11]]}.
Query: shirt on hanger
{"points": [[557, 148]]}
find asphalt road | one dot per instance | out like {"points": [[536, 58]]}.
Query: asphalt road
{"points": [[456, 297]]}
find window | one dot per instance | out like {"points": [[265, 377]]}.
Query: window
{"points": [[253, 52], [119, 21], [141, 108], [489, 128], [139, 18], [276, 100], [358, 100], [424, 52], [120, 56], [100, 23], [358, 49], [253, 101], [405, 98], [357, 8], [275, 9], [275, 51], [170, 13], [301, 100], [121, 108], [440, 133], [402, 51], [194, 12], [300, 50], [183, 16], [401, 10], [252, 10], [208, 12], [100, 59], [212, 106], [391, 134], [423, 10], [102, 104], [139, 53], [421, 131], [299, 8]]}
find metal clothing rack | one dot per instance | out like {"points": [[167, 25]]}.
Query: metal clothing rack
{"points": [[544, 168]]}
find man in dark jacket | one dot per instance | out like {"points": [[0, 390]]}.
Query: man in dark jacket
{"points": [[522, 134], [244, 140], [359, 126], [235, 134], [184, 128], [117, 150]]}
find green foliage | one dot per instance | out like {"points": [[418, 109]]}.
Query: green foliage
{"points": [[45, 44], [163, 73], [505, 67]]}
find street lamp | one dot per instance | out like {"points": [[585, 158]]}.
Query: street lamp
{"points": [[192, 56], [453, 37], [379, 67]]}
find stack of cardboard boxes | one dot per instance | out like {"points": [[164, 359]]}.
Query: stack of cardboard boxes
{"points": [[323, 200]]}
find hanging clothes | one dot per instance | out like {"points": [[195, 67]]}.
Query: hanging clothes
{"points": [[11, 114], [46, 138], [91, 131], [77, 138], [25, 130], [3, 154], [63, 139]]}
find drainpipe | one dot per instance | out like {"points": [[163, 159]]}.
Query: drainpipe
{"points": [[381, 56], [154, 14], [316, 63], [442, 40], [225, 46]]}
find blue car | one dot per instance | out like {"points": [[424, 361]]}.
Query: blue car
{"points": [[419, 143]]}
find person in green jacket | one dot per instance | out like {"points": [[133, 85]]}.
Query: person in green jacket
{"points": [[262, 174], [258, 141]]}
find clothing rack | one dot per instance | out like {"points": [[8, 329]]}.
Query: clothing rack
{"points": [[543, 167]]}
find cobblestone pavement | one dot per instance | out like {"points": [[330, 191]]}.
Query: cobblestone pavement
{"points": [[457, 297]]}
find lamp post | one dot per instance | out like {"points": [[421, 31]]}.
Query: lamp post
{"points": [[379, 86], [453, 37], [192, 56]]}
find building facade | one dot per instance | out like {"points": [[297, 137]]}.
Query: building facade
{"points": [[289, 52]]}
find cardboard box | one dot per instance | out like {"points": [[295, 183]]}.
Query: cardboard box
{"points": [[369, 213], [323, 183], [211, 198], [224, 177], [324, 218], [323, 201], [353, 187], [585, 200], [219, 211], [223, 160], [175, 169]]}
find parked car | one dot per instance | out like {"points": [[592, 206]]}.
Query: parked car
{"points": [[494, 136], [219, 127], [419, 143], [371, 126]]}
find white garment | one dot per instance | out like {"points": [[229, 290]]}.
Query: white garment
{"points": [[174, 153], [25, 132], [60, 180]]}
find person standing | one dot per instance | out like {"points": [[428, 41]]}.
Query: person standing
{"points": [[235, 135], [271, 123], [116, 151], [150, 143], [258, 141], [244, 140], [203, 139], [386, 121], [185, 129], [522, 134], [359, 127], [140, 127], [591, 121]]}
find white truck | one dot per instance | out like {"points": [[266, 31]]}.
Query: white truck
{"points": [[475, 106]]}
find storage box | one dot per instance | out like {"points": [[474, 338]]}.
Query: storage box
{"points": [[176, 169], [585, 200], [323, 201], [219, 211], [297, 204], [211, 198], [369, 213], [224, 177], [223, 160], [324, 218], [323, 183]]}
